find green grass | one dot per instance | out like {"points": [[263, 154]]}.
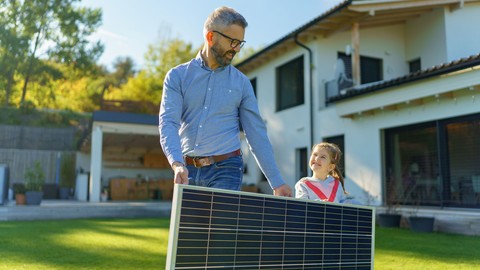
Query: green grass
{"points": [[84, 244], [142, 244], [403, 249]]}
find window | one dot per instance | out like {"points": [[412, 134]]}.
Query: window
{"points": [[290, 84], [370, 68], [302, 163], [434, 163], [414, 65], [340, 142], [413, 165], [254, 85], [461, 161]]}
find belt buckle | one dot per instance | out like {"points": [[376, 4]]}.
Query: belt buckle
{"points": [[202, 162]]}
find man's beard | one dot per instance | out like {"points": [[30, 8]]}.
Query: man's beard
{"points": [[222, 58]]}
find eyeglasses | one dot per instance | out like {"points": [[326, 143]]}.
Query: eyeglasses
{"points": [[234, 43]]}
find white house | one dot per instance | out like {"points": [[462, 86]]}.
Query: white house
{"points": [[396, 84]]}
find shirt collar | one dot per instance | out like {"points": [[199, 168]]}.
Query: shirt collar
{"points": [[199, 60]]}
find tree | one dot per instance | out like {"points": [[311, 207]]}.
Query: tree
{"points": [[245, 53], [124, 70], [37, 29], [161, 57]]}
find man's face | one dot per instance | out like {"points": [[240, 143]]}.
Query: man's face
{"points": [[222, 45]]}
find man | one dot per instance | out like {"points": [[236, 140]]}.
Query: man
{"points": [[203, 105]]}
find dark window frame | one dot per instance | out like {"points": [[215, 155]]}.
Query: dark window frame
{"points": [[414, 65], [253, 82], [367, 75], [448, 196], [302, 160], [290, 94]]}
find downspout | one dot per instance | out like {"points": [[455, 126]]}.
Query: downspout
{"points": [[310, 56]]}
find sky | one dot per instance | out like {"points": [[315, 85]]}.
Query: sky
{"points": [[130, 26]]}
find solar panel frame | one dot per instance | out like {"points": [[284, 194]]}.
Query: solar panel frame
{"points": [[222, 229]]}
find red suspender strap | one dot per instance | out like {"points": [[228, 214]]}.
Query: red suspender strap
{"points": [[320, 193]]}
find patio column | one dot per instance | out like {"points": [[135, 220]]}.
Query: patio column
{"points": [[96, 164]]}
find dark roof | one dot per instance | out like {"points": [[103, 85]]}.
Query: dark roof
{"points": [[299, 30], [125, 117], [441, 69]]}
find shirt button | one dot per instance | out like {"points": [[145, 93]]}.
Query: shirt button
{"points": [[209, 89], [205, 107], [201, 126]]}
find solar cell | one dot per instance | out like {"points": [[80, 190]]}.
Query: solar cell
{"points": [[222, 229]]}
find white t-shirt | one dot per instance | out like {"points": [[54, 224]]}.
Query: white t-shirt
{"points": [[326, 186]]}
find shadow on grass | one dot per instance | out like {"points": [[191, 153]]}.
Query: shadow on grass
{"points": [[84, 244]]}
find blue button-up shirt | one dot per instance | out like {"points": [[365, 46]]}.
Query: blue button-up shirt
{"points": [[200, 113]]}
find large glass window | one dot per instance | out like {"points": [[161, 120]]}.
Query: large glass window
{"points": [[463, 162], [290, 84], [434, 163], [412, 169]]}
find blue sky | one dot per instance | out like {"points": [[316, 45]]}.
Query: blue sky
{"points": [[129, 26]]}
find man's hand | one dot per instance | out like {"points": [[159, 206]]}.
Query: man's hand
{"points": [[181, 173], [283, 190]]}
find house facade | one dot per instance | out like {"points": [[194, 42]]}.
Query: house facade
{"points": [[396, 84]]}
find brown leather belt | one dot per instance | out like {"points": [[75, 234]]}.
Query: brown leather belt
{"points": [[200, 162]]}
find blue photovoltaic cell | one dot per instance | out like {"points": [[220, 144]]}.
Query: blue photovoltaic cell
{"points": [[218, 229]]}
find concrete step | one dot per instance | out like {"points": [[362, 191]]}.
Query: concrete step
{"points": [[70, 209]]}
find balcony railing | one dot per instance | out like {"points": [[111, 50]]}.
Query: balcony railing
{"points": [[334, 87]]}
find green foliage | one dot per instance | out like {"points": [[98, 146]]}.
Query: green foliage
{"points": [[245, 53], [123, 71], [54, 29], [67, 77], [147, 85], [34, 178], [44, 118], [19, 188]]}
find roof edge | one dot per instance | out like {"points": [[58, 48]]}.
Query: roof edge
{"points": [[449, 67], [292, 34]]}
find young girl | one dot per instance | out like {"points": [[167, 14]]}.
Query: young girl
{"points": [[326, 183]]}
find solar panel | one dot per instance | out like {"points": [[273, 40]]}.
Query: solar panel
{"points": [[222, 229]]}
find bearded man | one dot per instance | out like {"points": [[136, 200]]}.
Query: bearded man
{"points": [[204, 103]]}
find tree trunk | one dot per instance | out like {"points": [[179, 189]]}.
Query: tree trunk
{"points": [[30, 64], [29, 70]]}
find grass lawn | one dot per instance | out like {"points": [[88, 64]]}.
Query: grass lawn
{"points": [[142, 244], [84, 244]]}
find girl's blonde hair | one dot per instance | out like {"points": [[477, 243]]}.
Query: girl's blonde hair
{"points": [[335, 156]]}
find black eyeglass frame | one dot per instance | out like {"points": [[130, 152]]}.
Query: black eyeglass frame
{"points": [[233, 41]]}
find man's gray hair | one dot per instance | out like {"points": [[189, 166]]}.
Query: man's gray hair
{"points": [[223, 17]]}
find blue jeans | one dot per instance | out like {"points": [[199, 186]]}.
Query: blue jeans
{"points": [[226, 174]]}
